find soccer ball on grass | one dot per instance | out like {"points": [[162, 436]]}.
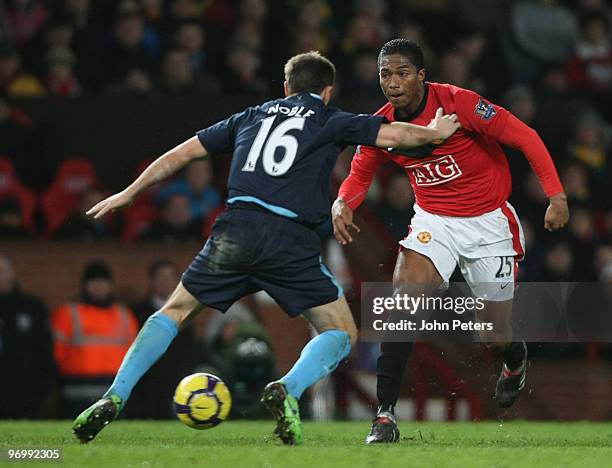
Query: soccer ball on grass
{"points": [[202, 401]]}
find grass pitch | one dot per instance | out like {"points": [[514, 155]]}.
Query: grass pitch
{"points": [[338, 444]]}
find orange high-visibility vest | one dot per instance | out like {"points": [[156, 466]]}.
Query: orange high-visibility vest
{"points": [[91, 341]]}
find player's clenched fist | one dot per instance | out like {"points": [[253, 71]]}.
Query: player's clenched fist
{"points": [[342, 219], [557, 213], [112, 203]]}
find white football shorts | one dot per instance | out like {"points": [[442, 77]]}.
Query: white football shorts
{"points": [[486, 248]]}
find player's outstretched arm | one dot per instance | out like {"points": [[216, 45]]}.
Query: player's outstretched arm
{"points": [[520, 136], [160, 169], [405, 135]]}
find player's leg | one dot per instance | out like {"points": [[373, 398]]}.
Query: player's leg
{"points": [[336, 334], [290, 269], [511, 348], [152, 341], [415, 275], [156, 334], [213, 279], [493, 278]]}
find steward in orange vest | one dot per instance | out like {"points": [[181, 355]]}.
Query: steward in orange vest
{"points": [[91, 338]]}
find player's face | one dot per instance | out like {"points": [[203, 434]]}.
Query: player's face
{"points": [[400, 81]]}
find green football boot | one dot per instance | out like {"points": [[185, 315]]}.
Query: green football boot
{"points": [[95, 418], [285, 408]]}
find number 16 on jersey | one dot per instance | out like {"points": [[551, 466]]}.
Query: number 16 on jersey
{"points": [[266, 146]]}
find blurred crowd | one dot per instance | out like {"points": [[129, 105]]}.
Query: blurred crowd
{"points": [[62, 361], [548, 61]]}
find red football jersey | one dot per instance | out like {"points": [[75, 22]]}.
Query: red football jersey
{"points": [[466, 175]]}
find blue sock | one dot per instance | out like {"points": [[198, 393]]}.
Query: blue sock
{"points": [[320, 357], [154, 338]]}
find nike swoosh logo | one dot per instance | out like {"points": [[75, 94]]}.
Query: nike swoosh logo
{"points": [[503, 286]]}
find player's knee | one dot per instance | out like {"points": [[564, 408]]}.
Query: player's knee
{"points": [[181, 306], [347, 326], [404, 285]]}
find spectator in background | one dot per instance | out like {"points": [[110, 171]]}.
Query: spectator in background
{"points": [[26, 350], [57, 34], [453, 68], [590, 68], [176, 73], [61, 79], [179, 78], [191, 37], [91, 337], [13, 80], [152, 396], [11, 220], [521, 101], [176, 223], [127, 51], [541, 33], [314, 29], [590, 146], [576, 182], [83, 227], [248, 34], [196, 186], [150, 35], [471, 46], [395, 209], [86, 34], [78, 12], [25, 18], [363, 79], [558, 263], [363, 31], [183, 10], [375, 12], [242, 78]]}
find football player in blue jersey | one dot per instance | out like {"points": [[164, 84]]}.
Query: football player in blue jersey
{"points": [[283, 153]]}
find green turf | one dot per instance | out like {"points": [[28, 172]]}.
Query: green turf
{"points": [[236, 443]]}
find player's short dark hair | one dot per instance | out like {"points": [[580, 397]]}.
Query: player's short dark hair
{"points": [[405, 47], [309, 72]]}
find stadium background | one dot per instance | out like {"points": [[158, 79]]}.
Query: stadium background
{"points": [[90, 91]]}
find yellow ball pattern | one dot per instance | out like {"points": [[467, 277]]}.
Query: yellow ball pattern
{"points": [[202, 401]]}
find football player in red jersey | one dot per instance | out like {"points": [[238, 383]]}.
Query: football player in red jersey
{"points": [[462, 217]]}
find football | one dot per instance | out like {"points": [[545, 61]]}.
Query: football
{"points": [[202, 401]]}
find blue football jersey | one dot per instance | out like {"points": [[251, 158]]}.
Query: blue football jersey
{"points": [[284, 152]]}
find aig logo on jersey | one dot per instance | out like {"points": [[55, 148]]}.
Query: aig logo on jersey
{"points": [[437, 171]]}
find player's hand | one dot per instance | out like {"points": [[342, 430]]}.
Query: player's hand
{"points": [[557, 213], [445, 125], [110, 204], [342, 219]]}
